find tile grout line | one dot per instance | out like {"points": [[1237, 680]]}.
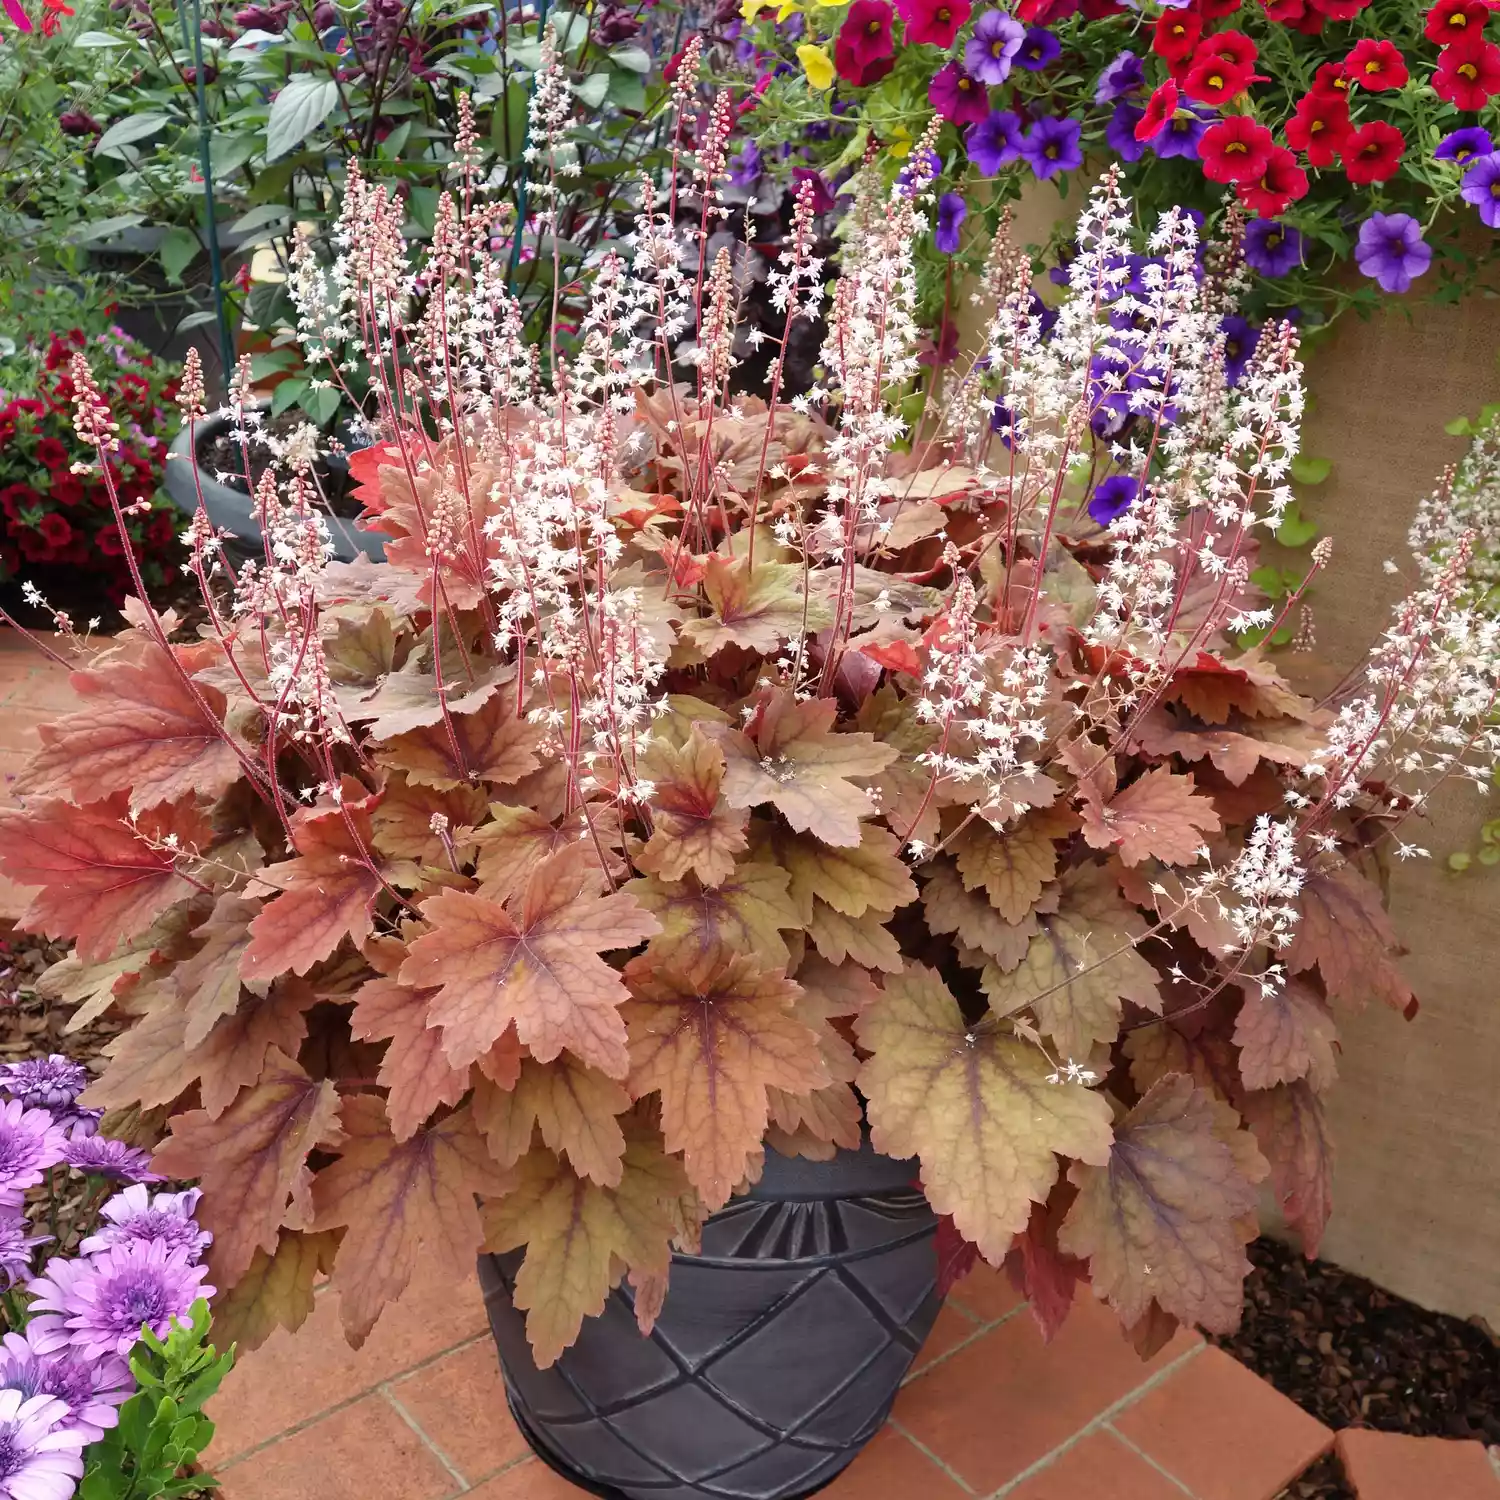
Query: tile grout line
{"points": [[1100, 1421], [345, 1404], [979, 1332], [1141, 1453], [932, 1457], [463, 1484]]}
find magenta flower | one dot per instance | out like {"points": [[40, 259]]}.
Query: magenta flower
{"points": [[136, 1215], [30, 1142], [91, 1389], [958, 96], [39, 1460], [100, 1156], [98, 1306], [44, 1082], [935, 21]]}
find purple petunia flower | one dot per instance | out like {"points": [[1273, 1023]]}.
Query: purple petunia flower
{"points": [[39, 1459], [951, 213], [1391, 251], [1181, 134], [135, 1214], [1003, 423], [745, 168], [992, 48], [1051, 146], [91, 1389], [1125, 75], [1038, 49], [995, 142], [1464, 145], [30, 1142], [44, 1082], [1482, 188], [99, 1305], [1271, 247], [100, 1156], [1112, 498], [1240, 339], [1119, 134]]}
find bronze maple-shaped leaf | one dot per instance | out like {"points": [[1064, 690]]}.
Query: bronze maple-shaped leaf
{"points": [[415, 1070], [492, 743], [209, 982], [976, 1104], [745, 912], [797, 763], [693, 831], [537, 966], [1163, 1219], [277, 1290], [1155, 817], [515, 840], [755, 609], [1292, 1130], [1286, 1034], [952, 908], [851, 880], [712, 1032], [1012, 867], [1344, 931]]}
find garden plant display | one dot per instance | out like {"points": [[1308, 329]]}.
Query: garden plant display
{"points": [[702, 776]]}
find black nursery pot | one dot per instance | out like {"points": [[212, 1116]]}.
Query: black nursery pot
{"points": [[775, 1360]]}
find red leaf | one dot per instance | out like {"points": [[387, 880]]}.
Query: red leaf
{"points": [[1344, 931], [956, 1256], [895, 656], [1292, 1130], [415, 1069], [1041, 1272]]}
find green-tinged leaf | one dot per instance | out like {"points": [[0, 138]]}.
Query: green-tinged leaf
{"points": [[1308, 470], [179, 248], [395, 143], [1295, 529], [321, 402], [634, 59], [288, 394], [228, 153], [301, 106], [102, 39], [1459, 427], [260, 217], [590, 91], [129, 130], [627, 91]]}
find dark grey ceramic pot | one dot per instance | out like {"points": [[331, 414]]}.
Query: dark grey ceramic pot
{"points": [[775, 1360]]}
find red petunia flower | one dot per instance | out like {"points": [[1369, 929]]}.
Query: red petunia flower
{"points": [[1235, 149], [51, 453], [15, 498], [864, 53], [1176, 35], [1045, 12], [1298, 15], [1215, 10], [1097, 10], [1338, 10], [55, 529], [934, 21], [1455, 21], [1331, 79], [1468, 73], [1282, 182], [108, 539], [1376, 65], [66, 489], [1233, 46], [1211, 80], [1373, 153], [1319, 126], [1160, 108]]}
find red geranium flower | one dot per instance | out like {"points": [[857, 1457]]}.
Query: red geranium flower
{"points": [[55, 529], [1296, 14], [1455, 21], [1215, 10], [1373, 153], [933, 21], [1214, 81], [1176, 34], [1338, 10], [1281, 183], [1331, 79], [1468, 73], [51, 453], [1045, 12], [1160, 108], [1376, 65], [864, 53], [1320, 126], [1235, 149]]}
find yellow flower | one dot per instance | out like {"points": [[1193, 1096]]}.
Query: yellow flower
{"points": [[830, 4], [816, 65], [785, 9], [900, 142]]}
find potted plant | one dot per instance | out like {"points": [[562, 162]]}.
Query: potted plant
{"points": [[734, 862]]}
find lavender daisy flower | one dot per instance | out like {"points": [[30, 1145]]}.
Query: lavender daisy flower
{"points": [[1125, 75], [91, 1389], [951, 213], [1038, 49], [1240, 339], [135, 1214], [30, 1142], [1271, 247], [39, 1460], [1391, 251], [98, 1306], [1051, 146], [81, 1121], [1119, 133], [1464, 145], [44, 1082], [100, 1156], [1482, 189], [1112, 498], [15, 1249], [994, 142], [992, 48]]}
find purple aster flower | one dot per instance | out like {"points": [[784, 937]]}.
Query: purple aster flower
{"points": [[995, 142], [992, 48], [1112, 498], [15, 1248], [1271, 247], [1240, 339], [1482, 189], [1051, 146], [951, 213], [91, 1389], [1038, 49], [39, 1459], [98, 1306], [82, 1122], [30, 1142], [1125, 75], [1463, 145], [100, 1156], [1181, 134], [1390, 249], [44, 1082], [745, 169], [135, 1214], [1119, 134]]}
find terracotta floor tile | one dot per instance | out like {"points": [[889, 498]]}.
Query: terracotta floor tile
{"points": [[892, 1468], [1223, 1431], [1100, 1466], [459, 1402], [1390, 1466], [532, 1480], [996, 1407], [987, 1293], [294, 1376], [950, 1330], [364, 1450]]}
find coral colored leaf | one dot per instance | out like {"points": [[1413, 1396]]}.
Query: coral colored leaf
{"points": [[209, 982], [712, 1033], [489, 744], [252, 1160], [415, 1070], [756, 610], [1214, 690], [1041, 1272], [951, 907], [277, 1290], [147, 1063], [1234, 752], [975, 1104], [862, 940], [402, 823], [1080, 967], [1012, 867], [232, 1055], [398, 1201], [905, 786], [1286, 1035], [581, 1238], [801, 767], [94, 987], [1206, 1057], [537, 966], [1161, 1220], [576, 1108], [409, 700], [693, 830], [745, 912], [850, 880], [516, 840], [103, 879], [1345, 931], [1156, 817], [1292, 1129]]}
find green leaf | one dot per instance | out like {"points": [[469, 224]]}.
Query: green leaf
{"points": [[1458, 861], [627, 91], [287, 394], [591, 90], [271, 362], [633, 59], [102, 229], [421, 204], [297, 111], [1458, 427], [228, 153], [179, 246], [321, 403], [392, 145], [1490, 854], [1306, 470], [259, 217], [129, 130], [101, 39], [1295, 529]]}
